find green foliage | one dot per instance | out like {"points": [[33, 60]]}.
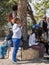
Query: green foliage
{"points": [[5, 8], [41, 7], [29, 24]]}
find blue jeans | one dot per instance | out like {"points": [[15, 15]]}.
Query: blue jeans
{"points": [[16, 43]]}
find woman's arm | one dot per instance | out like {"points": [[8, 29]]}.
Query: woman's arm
{"points": [[16, 28]]}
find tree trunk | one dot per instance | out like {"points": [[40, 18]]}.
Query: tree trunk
{"points": [[22, 14], [30, 12]]}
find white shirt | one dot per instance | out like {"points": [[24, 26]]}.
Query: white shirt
{"points": [[10, 25], [14, 14], [48, 25], [41, 23], [32, 40], [16, 31]]}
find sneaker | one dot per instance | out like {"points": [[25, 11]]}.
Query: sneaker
{"points": [[43, 60], [46, 55], [14, 62]]}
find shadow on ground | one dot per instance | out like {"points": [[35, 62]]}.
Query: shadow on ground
{"points": [[45, 60]]}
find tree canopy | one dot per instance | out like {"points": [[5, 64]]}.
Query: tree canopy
{"points": [[5, 8], [41, 7]]}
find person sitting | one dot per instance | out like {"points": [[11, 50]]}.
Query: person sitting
{"points": [[6, 44], [33, 43]]}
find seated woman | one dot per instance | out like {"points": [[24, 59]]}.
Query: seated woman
{"points": [[8, 38], [33, 43]]}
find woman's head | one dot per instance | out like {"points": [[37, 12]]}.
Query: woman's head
{"points": [[14, 7], [17, 20], [33, 30]]}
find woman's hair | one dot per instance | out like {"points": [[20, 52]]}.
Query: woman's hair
{"points": [[17, 20], [34, 31], [14, 7], [9, 17]]}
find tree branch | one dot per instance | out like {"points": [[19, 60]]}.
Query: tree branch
{"points": [[30, 12]]}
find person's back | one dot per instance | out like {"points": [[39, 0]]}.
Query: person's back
{"points": [[16, 34], [34, 44], [32, 40], [16, 37]]}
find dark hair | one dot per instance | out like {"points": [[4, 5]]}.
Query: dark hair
{"points": [[9, 17], [14, 7], [16, 20]]}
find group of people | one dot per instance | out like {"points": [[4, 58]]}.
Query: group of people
{"points": [[45, 31], [16, 32], [35, 36], [42, 30]]}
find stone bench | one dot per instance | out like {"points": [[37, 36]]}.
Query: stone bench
{"points": [[30, 54], [25, 54]]}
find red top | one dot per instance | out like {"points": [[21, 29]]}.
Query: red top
{"points": [[9, 18]]}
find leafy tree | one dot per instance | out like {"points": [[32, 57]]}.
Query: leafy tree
{"points": [[41, 7], [5, 8]]}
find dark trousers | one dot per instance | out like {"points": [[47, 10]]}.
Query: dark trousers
{"points": [[46, 46]]}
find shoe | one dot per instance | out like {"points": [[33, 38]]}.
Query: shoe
{"points": [[43, 60], [46, 55], [14, 62]]}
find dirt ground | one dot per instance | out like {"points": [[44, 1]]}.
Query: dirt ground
{"points": [[31, 62]]}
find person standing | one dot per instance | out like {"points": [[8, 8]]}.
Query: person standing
{"points": [[17, 32], [48, 27], [44, 27], [12, 15]]}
